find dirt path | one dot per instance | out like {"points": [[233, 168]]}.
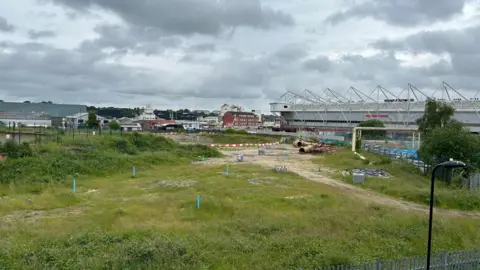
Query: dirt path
{"points": [[303, 166]]}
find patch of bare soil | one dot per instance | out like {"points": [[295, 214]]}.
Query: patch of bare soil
{"points": [[29, 216], [302, 165]]}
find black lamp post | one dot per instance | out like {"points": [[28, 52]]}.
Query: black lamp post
{"points": [[447, 165]]}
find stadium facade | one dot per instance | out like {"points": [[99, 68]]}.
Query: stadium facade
{"points": [[332, 111]]}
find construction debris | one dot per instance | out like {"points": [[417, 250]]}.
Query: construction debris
{"points": [[301, 143], [281, 168], [317, 148], [372, 172], [358, 178]]}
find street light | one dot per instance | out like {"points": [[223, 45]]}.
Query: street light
{"points": [[451, 164]]}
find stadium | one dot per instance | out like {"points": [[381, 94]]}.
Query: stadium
{"points": [[335, 112]]}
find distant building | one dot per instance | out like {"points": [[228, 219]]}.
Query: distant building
{"points": [[148, 114], [258, 113], [240, 120], [155, 124], [131, 127], [209, 119], [24, 119], [50, 109], [79, 120], [176, 115], [37, 114], [270, 120], [229, 108]]}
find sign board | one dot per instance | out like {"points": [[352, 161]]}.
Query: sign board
{"points": [[376, 115]]}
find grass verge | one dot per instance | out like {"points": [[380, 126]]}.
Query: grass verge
{"points": [[252, 219], [406, 182]]}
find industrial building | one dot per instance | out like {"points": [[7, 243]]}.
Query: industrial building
{"points": [[332, 111], [240, 120], [37, 114], [79, 120]]}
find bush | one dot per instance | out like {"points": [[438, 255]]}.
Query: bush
{"points": [[384, 160], [97, 156], [14, 150]]}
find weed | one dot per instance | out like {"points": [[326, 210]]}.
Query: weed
{"points": [[406, 182], [101, 155]]}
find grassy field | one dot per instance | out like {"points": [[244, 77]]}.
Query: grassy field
{"points": [[95, 156], [252, 219], [242, 138], [407, 183]]}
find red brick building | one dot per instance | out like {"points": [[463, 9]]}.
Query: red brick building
{"points": [[240, 120]]}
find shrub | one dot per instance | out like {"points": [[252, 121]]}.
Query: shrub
{"points": [[14, 150], [96, 156], [234, 131]]}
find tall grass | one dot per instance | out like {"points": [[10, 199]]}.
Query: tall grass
{"points": [[407, 182], [96, 156], [281, 222]]}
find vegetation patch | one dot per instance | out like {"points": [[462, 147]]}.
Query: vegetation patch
{"points": [[407, 182], [95, 156], [294, 224]]}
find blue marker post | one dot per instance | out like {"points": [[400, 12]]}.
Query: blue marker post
{"points": [[316, 170], [198, 201], [226, 171], [74, 184], [134, 172], [203, 159]]}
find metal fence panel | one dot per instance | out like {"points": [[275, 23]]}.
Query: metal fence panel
{"points": [[459, 260]]}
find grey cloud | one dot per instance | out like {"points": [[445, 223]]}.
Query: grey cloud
{"points": [[124, 39], [460, 45], [383, 68], [404, 13], [320, 64], [5, 26], [186, 17], [463, 41], [34, 34], [203, 47], [291, 52], [34, 69]]}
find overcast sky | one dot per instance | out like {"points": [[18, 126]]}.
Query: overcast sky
{"points": [[204, 53]]}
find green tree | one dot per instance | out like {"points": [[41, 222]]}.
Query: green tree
{"points": [[92, 120], [437, 114], [453, 140], [373, 123], [114, 125]]}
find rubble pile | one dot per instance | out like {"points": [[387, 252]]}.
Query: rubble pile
{"points": [[317, 148], [372, 172]]}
